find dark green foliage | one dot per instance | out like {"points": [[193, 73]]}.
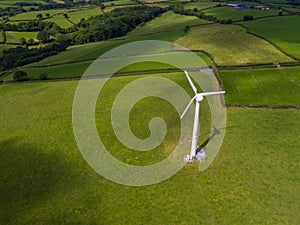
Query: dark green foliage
{"points": [[114, 24], [178, 8], [39, 16], [43, 76], [32, 25], [43, 36], [3, 36], [23, 41], [20, 75], [247, 17], [21, 56]]}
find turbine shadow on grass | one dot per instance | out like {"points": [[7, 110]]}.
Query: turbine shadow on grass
{"points": [[29, 177], [216, 132]]}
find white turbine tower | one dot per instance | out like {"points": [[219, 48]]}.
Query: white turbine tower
{"points": [[198, 97]]}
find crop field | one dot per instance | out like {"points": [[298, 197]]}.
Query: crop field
{"points": [[262, 86], [78, 15], [231, 45], [224, 13], [288, 37], [14, 37], [36, 169], [168, 21]]}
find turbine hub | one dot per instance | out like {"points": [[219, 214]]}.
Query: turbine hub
{"points": [[199, 97]]}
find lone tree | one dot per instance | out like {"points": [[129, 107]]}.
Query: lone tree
{"points": [[43, 76], [20, 75], [23, 41], [39, 16]]}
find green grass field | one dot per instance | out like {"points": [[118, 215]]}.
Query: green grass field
{"points": [[32, 15], [262, 86], [44, 178], [60, 20], [14, 37], [283, 31], [231, 45], [168, 21], [78, 15], [92, 51], [224, 13]]}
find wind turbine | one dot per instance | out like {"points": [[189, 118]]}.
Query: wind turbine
{"points": [[198, 97]]}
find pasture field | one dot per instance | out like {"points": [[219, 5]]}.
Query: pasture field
{"points": [[76, 70], [283, 31], [199, 5], [225, 12], [168, 21], [231, 45], [14, 37], [92, 51], [292, 9], [60, 20], [44, 178], [85, 13], [262, 86], [32, 15]]}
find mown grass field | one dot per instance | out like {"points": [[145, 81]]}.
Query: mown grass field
{"points": [[168, 21], [225, 12], [262, 86], [14, 37], [44, 178], [283, 31], [231, 45]]}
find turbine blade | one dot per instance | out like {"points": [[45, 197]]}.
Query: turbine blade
{"points": [[212, 93], [190, 81], [187, 107]]}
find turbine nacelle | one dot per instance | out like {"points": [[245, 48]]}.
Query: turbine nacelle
{"points": [[199, 97]]}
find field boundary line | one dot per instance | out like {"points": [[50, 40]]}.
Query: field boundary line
{"points": [[263, 106], [269, 41]]}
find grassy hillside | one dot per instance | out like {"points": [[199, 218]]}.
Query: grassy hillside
{"points": [[83, 14], [262, 86], [283, 31], [44, 178], [168, 21], [231, 45]]}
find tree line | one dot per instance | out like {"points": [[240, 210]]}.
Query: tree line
{"points": [[110, 25]]}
